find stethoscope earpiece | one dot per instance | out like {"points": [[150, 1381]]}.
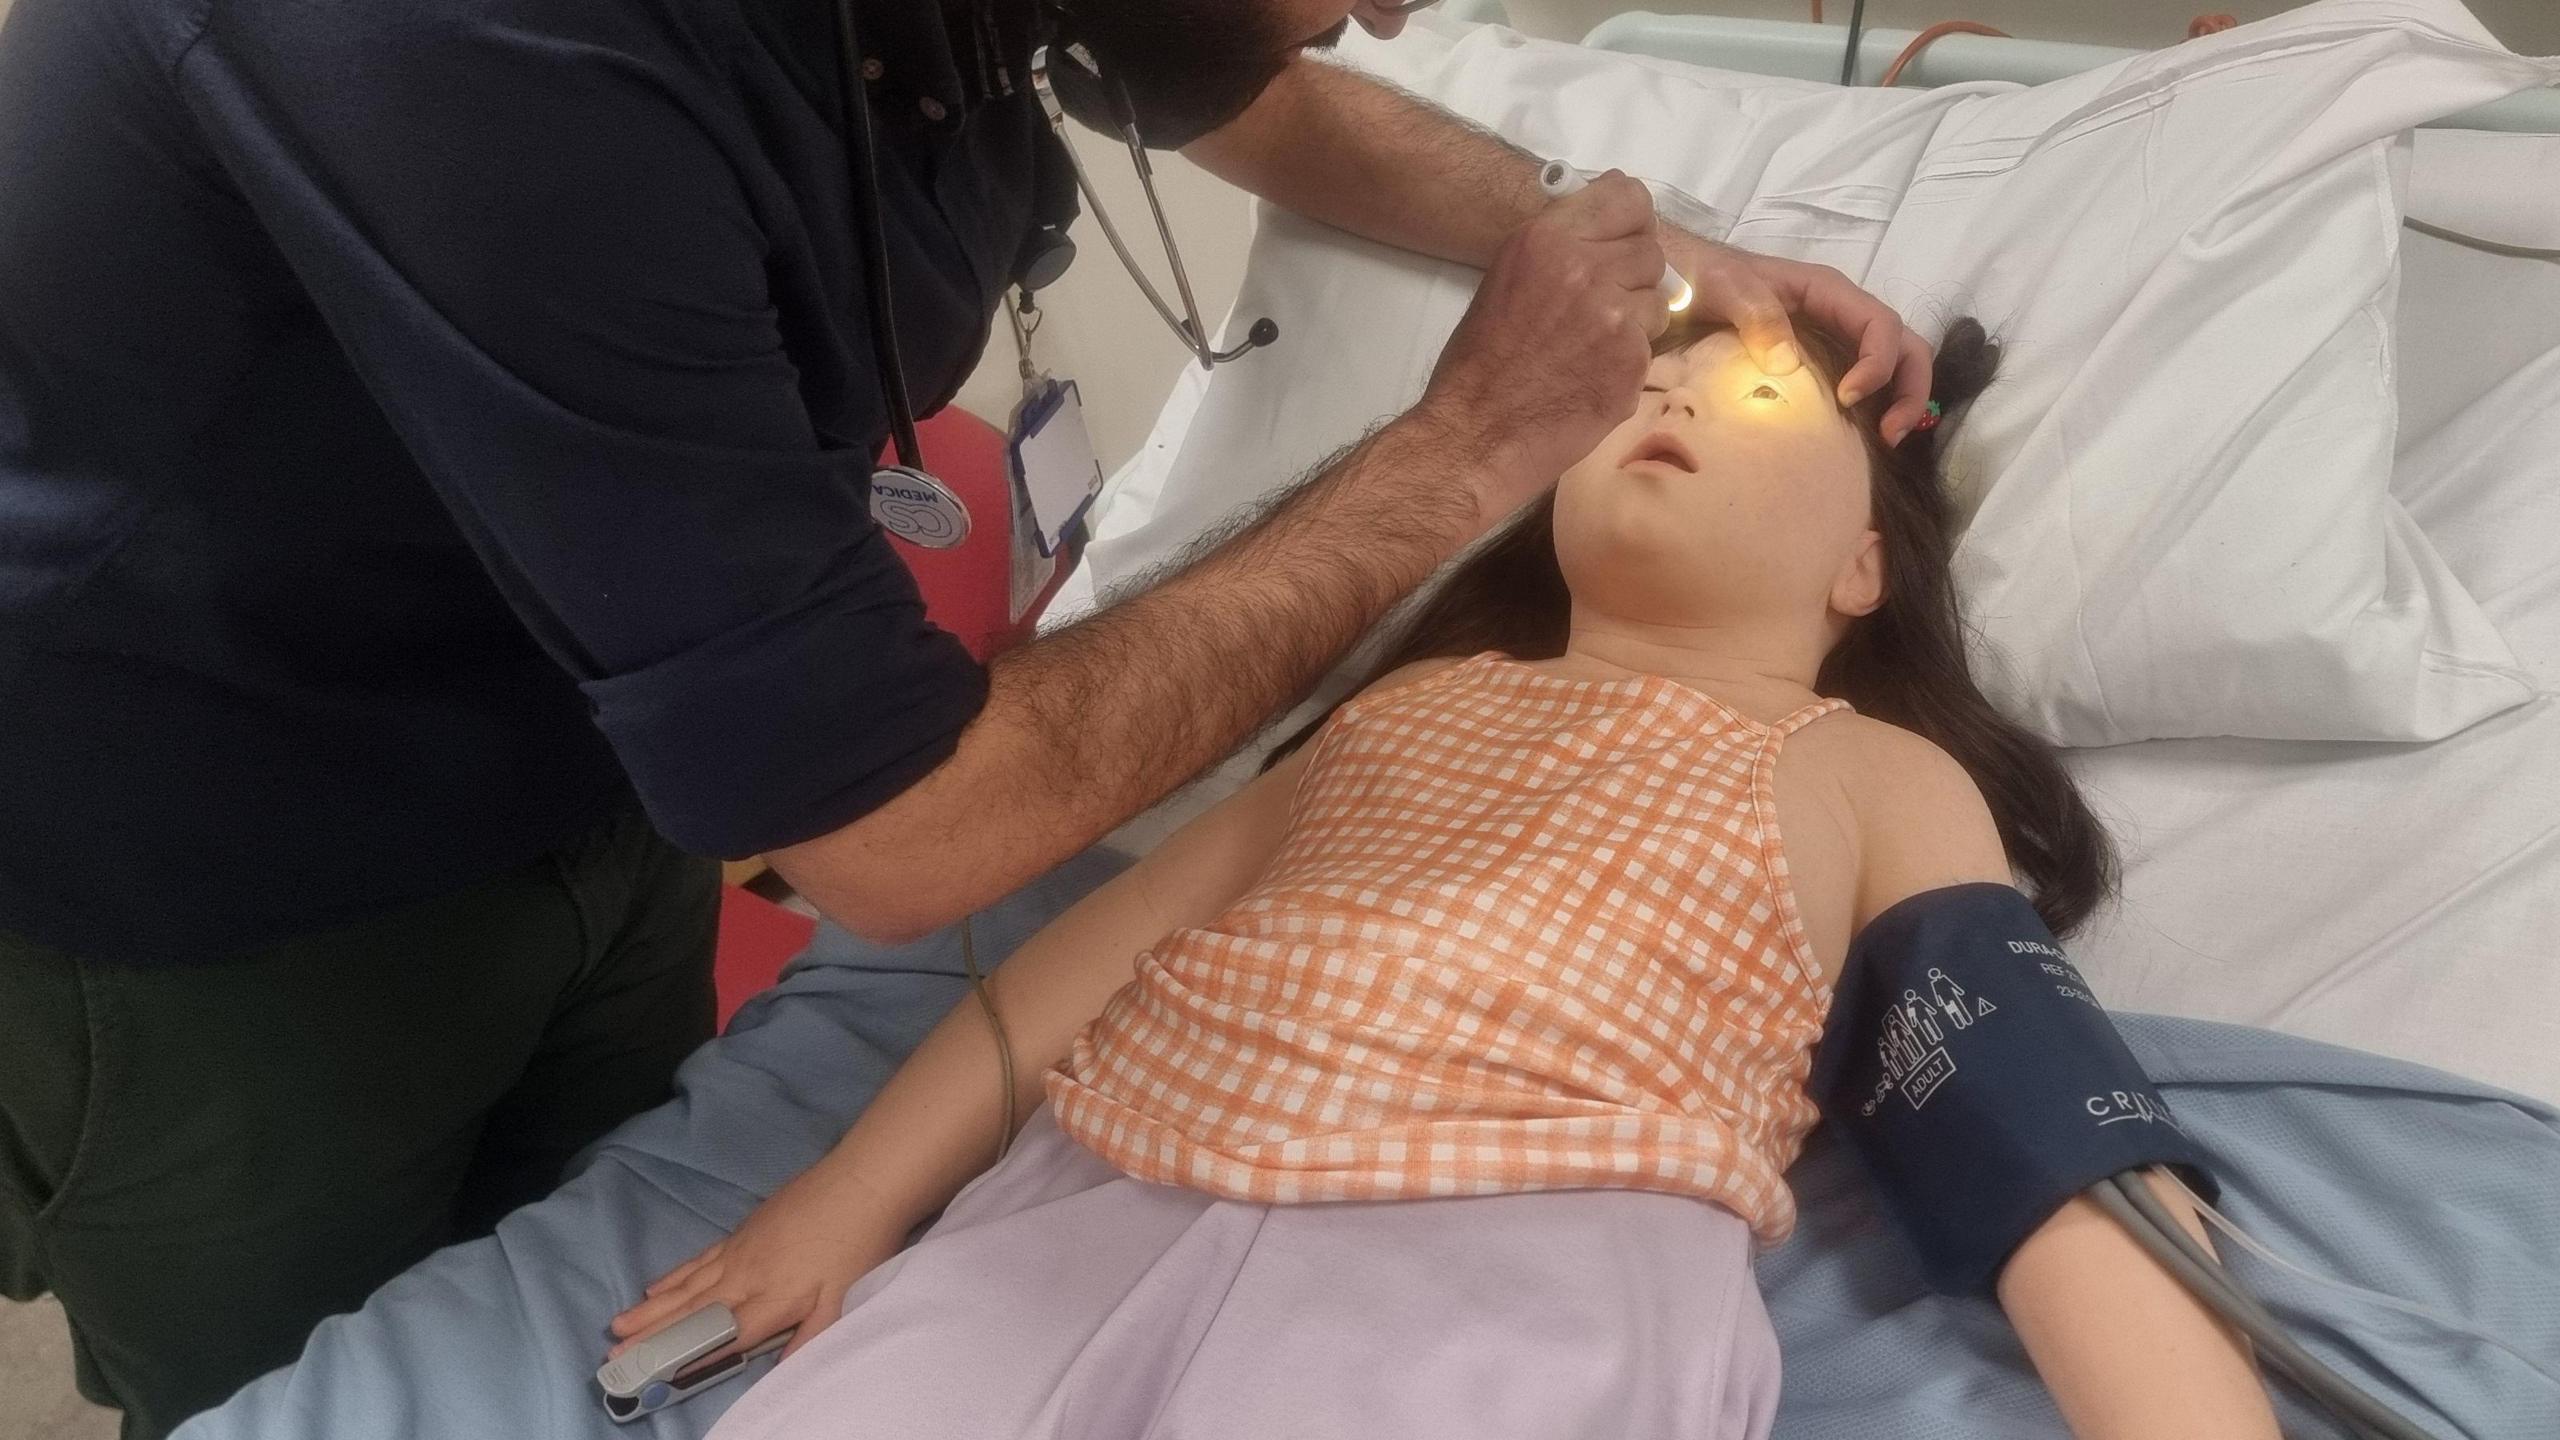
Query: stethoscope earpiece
{"points": [[1263, 332]]}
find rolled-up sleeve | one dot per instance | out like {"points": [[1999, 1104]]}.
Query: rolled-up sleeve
{"points": [[741, 743], [545, 234]]}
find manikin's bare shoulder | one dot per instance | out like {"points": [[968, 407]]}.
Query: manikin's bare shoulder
{"points": [[1898, 778], [1870, 814]]}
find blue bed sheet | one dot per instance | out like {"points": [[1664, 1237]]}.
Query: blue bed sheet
{"points": [[2425, 1186]]}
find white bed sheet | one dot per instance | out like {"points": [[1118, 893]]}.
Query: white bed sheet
{"points": [[2402, 899]]}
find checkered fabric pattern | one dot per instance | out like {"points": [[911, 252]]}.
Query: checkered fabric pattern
{"points": [[1526, 932]]}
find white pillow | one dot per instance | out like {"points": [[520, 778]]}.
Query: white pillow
{"points": [[2180, 524]]}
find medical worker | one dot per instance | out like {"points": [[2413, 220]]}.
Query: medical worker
{"points": [[433, 451]]}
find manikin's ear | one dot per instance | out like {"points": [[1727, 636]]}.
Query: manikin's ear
{"points": [[1859, 587]]}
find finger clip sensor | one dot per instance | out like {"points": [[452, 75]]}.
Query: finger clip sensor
{"points": [[652, 1375]]}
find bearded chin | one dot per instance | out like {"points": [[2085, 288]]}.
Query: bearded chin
{"points": [[1176, 108], [1187, 67]]}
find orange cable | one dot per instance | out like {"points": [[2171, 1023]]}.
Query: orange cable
{"points": [[2199, 27], [1925, 38]]}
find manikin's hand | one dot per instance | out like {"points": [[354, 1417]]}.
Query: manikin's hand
{"points": [[786, 1267]]}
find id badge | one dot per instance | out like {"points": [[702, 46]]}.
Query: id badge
{"points": [[1053, 465]]}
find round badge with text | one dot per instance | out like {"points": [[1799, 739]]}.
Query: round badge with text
{"points": [[917, 508]]}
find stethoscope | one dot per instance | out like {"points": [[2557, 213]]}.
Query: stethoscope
{"points": [[909, 477], [1186, 326]]}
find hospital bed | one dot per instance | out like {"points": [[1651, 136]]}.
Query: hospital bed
{"points": [[2338, 956]]}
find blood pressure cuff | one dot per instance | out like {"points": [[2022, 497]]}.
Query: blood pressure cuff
{"points": [[1980, 1083]]}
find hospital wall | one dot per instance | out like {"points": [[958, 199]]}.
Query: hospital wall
{"points": [[1100, 331]]}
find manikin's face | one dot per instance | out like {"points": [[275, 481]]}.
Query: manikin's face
{"points": [[1729, 497]]}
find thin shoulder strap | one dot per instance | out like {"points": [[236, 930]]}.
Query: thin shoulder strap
{"points": [[1804, 717]]}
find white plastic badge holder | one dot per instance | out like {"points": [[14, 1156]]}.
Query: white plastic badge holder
{"points": [[651, 1375], [1053, 459]]}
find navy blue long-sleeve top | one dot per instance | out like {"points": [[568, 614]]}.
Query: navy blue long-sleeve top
{"points": [[425, 422]]}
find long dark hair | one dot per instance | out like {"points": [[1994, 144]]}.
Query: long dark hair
{"points": [[1904, 663]]}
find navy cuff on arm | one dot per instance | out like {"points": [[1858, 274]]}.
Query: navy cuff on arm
{"points": [[790, 728]]}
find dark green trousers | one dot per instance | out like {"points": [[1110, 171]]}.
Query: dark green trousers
{"points": [[204, 1161]]}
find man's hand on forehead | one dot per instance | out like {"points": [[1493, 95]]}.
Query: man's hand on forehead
{"points": [[1755, 293]]}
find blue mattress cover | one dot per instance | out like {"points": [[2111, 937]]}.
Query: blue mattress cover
{"points": [[2416, 1183]]}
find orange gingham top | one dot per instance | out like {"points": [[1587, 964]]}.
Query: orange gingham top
{"points": [[1526, 932]]}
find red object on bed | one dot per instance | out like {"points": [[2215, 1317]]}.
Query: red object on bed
{"points": [[757, 938]]}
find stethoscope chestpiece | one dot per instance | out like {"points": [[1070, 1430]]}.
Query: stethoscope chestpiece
{"points": [[1049, 254], [917, 508]]}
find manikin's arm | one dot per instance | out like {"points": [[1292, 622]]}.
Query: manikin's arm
{"points": [[2126, 1349], [938, 1121]]}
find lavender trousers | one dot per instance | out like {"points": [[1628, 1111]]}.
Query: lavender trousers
{"points": [[1062, 1300]]}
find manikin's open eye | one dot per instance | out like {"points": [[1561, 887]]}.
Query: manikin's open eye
{"points": [[1767, 392]]}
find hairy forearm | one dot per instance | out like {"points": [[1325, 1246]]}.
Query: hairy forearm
{"points": [[1338, 146], [2128, 1352], [1088, 726], [1195, 664]]}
